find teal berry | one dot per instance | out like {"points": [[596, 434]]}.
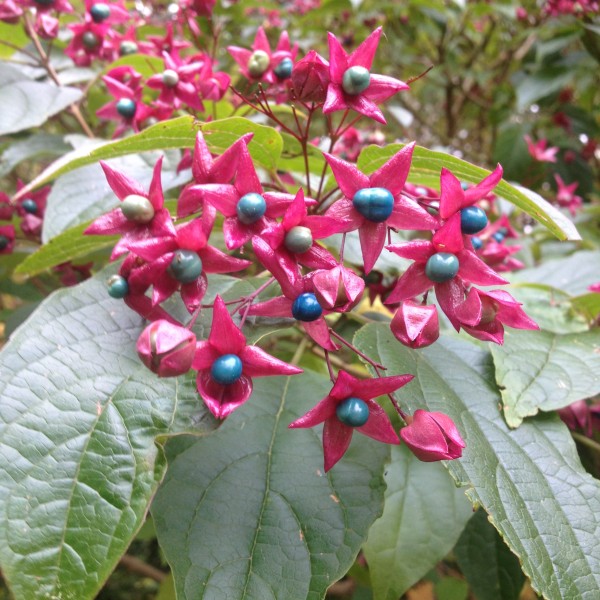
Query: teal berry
{"points": [[498, 237], [117, 287], [100, 12], [90, 40], [127, 47], [227, 369], [170, 78], [284, 69], [126, 107], [476, 242], [258, 63], [298, 239], [306, 308], [4, 241], [186, 266], [503, 231], [472, 220], [356, 80], [353, 412], [29, 206], [374, 204], [250, 208], [441, 267], [137, 208]]}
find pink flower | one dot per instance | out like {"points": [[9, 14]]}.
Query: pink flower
{"points": [[578, 415], [349, 406], [432, 436], [10, 12], [539, 151], [484, 314], [372, 203], [415, 325], [338, 289], [352, 85], [90, 40], [595, 288], [32, 208], [167, 349], [226, 365], [565, 195], [141, 215], [310, 78]]}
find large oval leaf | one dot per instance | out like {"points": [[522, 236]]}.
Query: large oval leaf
{"points": [[248, 512], [529, 480]]}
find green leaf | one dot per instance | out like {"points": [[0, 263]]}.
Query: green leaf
{"points": [[78, 420], [34, 146], [535, 86], [529, 480], [492, 570], [27, 103], [265, 147], [247, 512], [587, 305], [67, 246], [423, 517], [426, 169], [541, 370]]}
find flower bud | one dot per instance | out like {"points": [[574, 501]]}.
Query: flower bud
{"points": [[432, 436], [338, 288], [415, 325], [167, 349], [310, 78]]}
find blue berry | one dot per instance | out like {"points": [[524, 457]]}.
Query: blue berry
{"points": [[186, 266], [498, 237], [353, 412], [441, 267], [100, 12], [472, 220], [126, 107], [284, 69], [356, 80], [250, 208], [375, 204], [227, 369], [306, 308], [298, 239], [476, 242], [29, 206], [4, 241], [464, 185], [117, 287]]}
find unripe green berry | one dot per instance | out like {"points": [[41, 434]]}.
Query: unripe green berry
{"points": [[186, 266], [170, 78], [258, 63], [298, 239], [90, 40], [138, 209], [127, 47]]}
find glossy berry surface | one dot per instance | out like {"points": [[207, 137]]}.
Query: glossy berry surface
{"points": [[284, 69], [258, 63], [100, 12], [353, 412], [29, 206], [90, 40], [126, 107], [298, 239], [4, 241], [186, 266], [227, 369], [477, 243], [375, 204], [117, 287], [137, 209], [306, 308], [441, 267], [250, 208], [127, 47], [498, 237], [472, 220], [356, 80], [170, 78]]}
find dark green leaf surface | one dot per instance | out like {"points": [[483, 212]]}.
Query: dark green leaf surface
{"points": [[529, 480], [424, 515], [248, 512], [27, 103], [540, 370], [426, 168], [492, 570], [78, 419], [265, 146]]}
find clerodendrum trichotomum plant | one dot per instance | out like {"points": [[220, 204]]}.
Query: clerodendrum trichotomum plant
{"points": [[239, 227]]}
